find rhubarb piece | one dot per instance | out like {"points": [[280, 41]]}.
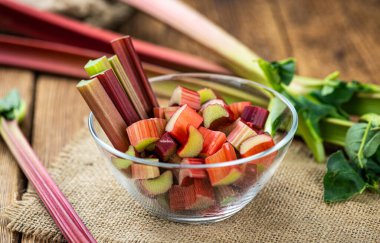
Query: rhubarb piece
{"points": [[248, 179], [182, 96], [169, 111], [213, 141], [156, 186], [143, 133], [212, 102], [178, 124], [216, 115], [124, 164], [126, 54], [255, 115], [238, 107], [194, 144], [56, 28], [118, 96], [105, 112], [12, 111], [258, 144], [255, 145], [186, 176], [165, 147], [129, 87], [206, 94], [228, 128], [140, 171], [160, 125], [96, 66], [225, 195], [239, 134], [150, 148], [204, 195], [159, 112], [222, 176], [181, 198]]}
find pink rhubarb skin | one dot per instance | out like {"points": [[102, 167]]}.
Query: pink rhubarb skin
{"points": [[19, 18], [54, 200]]}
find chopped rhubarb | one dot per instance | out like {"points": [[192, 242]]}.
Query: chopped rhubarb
{"points": [[186, 176], [178, 124], [255, 115], [223, 175], [206, 94], [165, 147], [204, 195], [239, 134], [181, 198], [156, 186], [143, 133], [216, 115], [124, 164], [213, 141], [159, 112], [182, 96], [160, 125], [225, 195], [140, 171], [258, 144], [212, 102], [193, 145], [238, 107], [248, 179]]}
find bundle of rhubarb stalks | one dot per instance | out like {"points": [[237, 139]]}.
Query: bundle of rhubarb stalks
{"points": [[197, 127]]}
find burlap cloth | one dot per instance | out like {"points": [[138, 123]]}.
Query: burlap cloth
{"points": [[289, 208]]}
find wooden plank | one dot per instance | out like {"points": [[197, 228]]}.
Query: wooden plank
{"points": [[252, 22], [12, 179], [59, 113], [321, 37]]}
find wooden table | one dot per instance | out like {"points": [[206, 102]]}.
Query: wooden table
{"points": [[324, 36]]}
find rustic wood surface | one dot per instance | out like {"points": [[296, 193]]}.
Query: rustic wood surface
{"points": [[323, 36]]}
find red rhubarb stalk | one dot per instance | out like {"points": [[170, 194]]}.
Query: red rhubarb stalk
{"points": [[19, 18], [63, 214]]}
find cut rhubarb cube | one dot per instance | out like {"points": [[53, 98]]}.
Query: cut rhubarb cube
{"points": [[169, 111], [156, 186], [223, 175], [194, 144], [140, 171], [215, 116], [181, 198], [165, 147], [186, 176], [143, 133], [213, 102], [178, 124], [160, 125], [213, 141], [238, 107], [258, 144], [206, 94], [255, 115], [159, 112], [204, 195], [183, 96], [124, 164], [239, 134]]}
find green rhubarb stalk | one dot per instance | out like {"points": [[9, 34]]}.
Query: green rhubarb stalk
{"points": [[334, 130]]}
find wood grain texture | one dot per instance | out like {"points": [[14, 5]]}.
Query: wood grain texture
{"points": [[328, 35], [12, 179], [59, 113]]}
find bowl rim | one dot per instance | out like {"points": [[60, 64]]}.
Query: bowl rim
{"points": [[288, 137]]}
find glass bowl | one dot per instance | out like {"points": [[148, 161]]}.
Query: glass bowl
{"points": [[202, 203]]}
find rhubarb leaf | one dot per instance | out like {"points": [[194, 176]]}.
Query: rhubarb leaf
{"points": [[12, 106], [341, 181], [278, 73]]}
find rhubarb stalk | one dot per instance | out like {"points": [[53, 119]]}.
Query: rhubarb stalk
{"points": [[63, 214], [28, 21]]}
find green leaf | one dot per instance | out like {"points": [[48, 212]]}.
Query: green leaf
{"points": [[372, 145], [341, 181], [278, 73], [12, 107], [373, 118], [356, 139]]}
